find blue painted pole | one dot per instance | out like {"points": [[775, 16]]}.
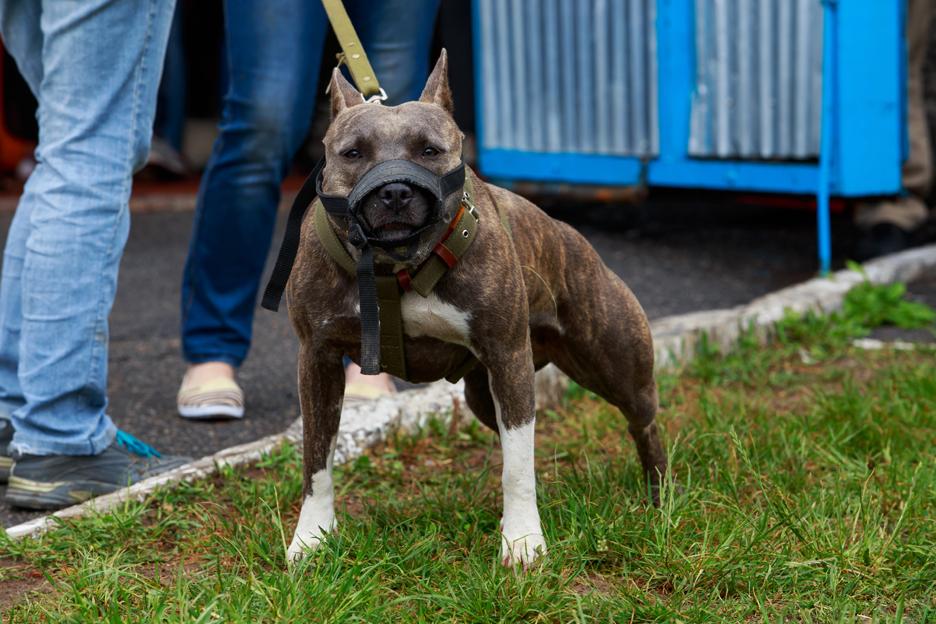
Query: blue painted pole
{"points": [[827, 140]]}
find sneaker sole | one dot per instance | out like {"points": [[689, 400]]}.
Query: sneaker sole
{"points": [[6, 463], [203, 412], [42, 495]]}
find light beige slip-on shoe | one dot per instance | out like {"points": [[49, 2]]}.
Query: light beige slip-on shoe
{"points": [[216, 398], [360, 391]]}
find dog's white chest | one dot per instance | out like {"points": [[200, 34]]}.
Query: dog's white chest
{"points": [[432, 317]]}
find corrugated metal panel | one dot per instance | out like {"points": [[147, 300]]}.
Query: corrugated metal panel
{"points": [[758, 79], [569, 76]]}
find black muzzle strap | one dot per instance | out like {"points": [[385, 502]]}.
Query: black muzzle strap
{"points": [[287, 254], [387, 172]]}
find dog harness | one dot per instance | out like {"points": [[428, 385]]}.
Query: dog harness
{"points": [[382, 322]]}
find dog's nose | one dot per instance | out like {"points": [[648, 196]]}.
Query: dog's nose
{"points": [[396, 195]]}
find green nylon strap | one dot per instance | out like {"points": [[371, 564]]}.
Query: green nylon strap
{"points": [[392, 358], [434, 268], [428, 275], [330, 240], [353, 52]]}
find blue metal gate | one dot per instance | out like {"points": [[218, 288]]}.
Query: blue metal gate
{"points": [[717, 94]]}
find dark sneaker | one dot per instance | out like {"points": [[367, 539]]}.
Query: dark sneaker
{"points": [[55, 481], [6, 462]]}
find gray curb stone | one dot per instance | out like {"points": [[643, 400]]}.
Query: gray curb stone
{"points": [[366, 423], [675, 337]]}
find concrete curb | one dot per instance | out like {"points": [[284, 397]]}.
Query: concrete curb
{"points": [[364, 424], [675, 338]]}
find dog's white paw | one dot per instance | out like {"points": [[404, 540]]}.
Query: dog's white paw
{"points": [[303, 545], [304, 542], [315, 520], [522, 549]]}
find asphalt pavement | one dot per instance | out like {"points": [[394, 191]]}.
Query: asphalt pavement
{"points": [[677, 257]]}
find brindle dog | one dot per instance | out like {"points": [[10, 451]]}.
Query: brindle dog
{"points": [[516, 301]]}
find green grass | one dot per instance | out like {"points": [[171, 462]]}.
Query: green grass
{"points": [[805, 490]]}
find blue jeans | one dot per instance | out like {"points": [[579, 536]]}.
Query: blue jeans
{"points": [[170, 99], [274, 51], [94, 68]]}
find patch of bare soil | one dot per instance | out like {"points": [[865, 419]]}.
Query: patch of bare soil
{"points": [[166, 573], [17, 580], [586, 584]]}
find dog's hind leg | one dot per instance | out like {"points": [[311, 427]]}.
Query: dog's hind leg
{"points": [[610, 352], [637, 400], [647, 439], [321, 388]]}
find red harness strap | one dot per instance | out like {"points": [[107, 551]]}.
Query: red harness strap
{"points": [[405, 279], [446, 254]]}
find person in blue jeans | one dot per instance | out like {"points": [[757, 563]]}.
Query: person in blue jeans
{"points": [[274, 50], [94, 68]]}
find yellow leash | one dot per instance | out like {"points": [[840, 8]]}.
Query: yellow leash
{"points": [[352, 52]]}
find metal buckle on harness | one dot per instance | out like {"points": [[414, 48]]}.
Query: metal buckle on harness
{"points": [[377, 98], [466, 200]]}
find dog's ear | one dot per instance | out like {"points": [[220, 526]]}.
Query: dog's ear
{"points": [[343, 94], [437, 89]]}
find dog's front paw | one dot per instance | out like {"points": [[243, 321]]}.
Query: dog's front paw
{"points": [[309, 533], [522, 549], [303, 545]]}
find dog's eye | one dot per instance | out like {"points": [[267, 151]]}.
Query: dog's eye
{"points": [[430, 152], [352, 154]]}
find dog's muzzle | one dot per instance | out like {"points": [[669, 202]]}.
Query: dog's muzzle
{"points": [[438, 187]]}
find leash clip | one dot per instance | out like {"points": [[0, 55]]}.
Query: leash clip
{"points": [[377, 98]]}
